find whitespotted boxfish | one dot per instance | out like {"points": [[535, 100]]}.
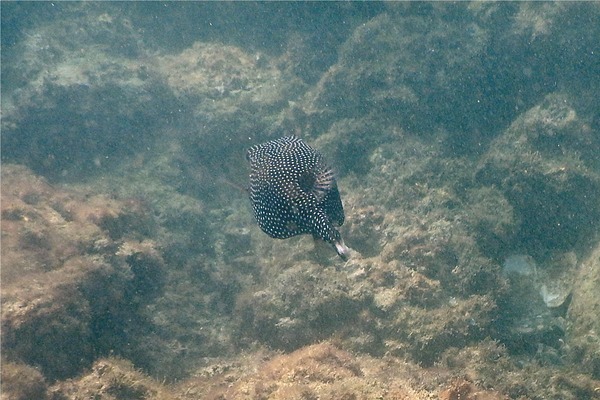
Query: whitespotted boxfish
{"points": [[294, 192]]}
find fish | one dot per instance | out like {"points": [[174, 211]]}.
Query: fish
{"points": [[293, 191]]}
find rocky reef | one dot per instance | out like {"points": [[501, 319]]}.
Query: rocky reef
{"points": [[465, 139], [77, 270]]}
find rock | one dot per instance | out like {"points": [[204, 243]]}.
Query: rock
{"points": [[544, 164], [72, 277], [111, 379], [81, 96], [583, 333], [319, 371], [22, 382]]}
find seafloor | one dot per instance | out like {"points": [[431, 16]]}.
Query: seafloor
{"points": [[466, 140]]}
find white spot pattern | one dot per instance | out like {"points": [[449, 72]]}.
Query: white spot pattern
{"points": [[294, 192]]}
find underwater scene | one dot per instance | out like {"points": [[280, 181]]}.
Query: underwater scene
{"points": [[300, 200]]}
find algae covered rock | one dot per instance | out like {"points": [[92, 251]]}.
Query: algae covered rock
{"points": [[583, 334], [299, 304], [399, 65], [491, 365], [73, 276], [111, 379], [80, 95], [22, 382], [154, 256], [545, 164], [318, 371]]}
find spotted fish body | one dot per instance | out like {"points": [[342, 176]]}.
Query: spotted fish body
{"points": [[294, 192]]}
